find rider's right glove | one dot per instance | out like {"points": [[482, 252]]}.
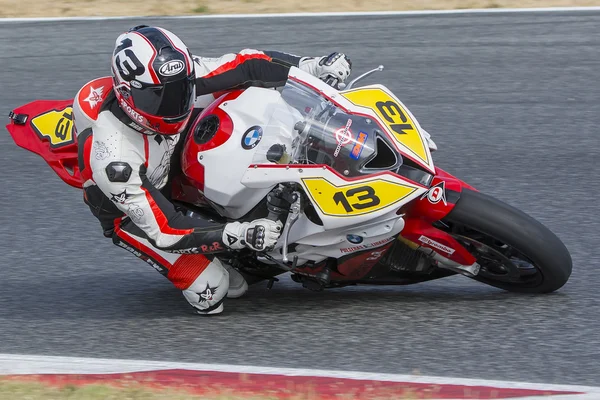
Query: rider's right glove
{"points": [[258, 235], [334, 68]]}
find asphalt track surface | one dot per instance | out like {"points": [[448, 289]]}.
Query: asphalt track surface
{"points": [[512, 101]]}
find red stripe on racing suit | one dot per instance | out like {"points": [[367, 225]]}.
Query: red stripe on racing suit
{"points": [[181, 269], [247, 68]]}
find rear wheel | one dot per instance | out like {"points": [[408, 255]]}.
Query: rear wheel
{"points": [[515, 252]]}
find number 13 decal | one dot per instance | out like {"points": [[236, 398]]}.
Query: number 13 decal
{"points": [[355, 198], [364, 197], [394, 115]]}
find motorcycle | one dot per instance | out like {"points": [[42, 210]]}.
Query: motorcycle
{"points": [[349, 172]]}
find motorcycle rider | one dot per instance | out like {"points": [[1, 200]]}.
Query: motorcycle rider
{"points": [[127, 129]]}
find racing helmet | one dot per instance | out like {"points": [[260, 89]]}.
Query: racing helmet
{"points": [[154, 80]]}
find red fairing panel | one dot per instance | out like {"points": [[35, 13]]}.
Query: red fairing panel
{"points": [[48, 132], [359, 265], [433, 206], [191, 168], [422, 233], [439, 200]]}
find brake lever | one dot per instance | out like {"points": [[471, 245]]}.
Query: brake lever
{"points": [[333, 82]]}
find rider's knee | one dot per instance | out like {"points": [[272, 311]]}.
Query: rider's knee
{"points": [[207, 292]]}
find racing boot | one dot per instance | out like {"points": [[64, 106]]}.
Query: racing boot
{"points": [[237, 284]]}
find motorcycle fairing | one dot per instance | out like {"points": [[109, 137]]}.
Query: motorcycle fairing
{"points": [[400, 123], [48, 132], [441, 197], [364, 199], [430, 205], [434, 205], [348, 200], [377, 102]]}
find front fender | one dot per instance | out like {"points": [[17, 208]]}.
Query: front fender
{"points": [[433, 206], [440, 199]]}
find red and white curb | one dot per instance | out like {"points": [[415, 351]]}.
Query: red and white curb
{"points": [[280, 383]]}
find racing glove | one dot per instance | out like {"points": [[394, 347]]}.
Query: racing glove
{"points": [[257, 235], [333, 69]]}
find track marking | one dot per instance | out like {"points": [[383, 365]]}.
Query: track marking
{"points": [[316, 14], [13, 364]]}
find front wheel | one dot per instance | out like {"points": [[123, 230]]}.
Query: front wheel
{"points": [[515, 252]]}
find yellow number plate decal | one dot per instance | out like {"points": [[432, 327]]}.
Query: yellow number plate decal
{"points": [[357, 198], [394, 116], [55, 125]]}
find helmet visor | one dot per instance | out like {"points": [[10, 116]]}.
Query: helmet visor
{"points": [[171, 99]]}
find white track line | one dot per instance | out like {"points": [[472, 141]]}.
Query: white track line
{"points": [[11, 364], [318, 14]]}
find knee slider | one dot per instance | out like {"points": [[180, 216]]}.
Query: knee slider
{"points": [[209, 289]]}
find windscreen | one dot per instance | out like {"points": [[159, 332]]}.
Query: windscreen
{"points": [[307, 128]]}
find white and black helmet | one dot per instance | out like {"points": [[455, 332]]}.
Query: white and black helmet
{"points": [[153, 78]]}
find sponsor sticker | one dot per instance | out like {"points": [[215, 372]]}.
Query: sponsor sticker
{"points": [[131, 112], [171, 68], [436, 194], [436, 245], [356, 239], [216, 246], [343, 136], [367, 245], [359, 145], [231, 239], [144, 257], [252, 137], [141, 129]]}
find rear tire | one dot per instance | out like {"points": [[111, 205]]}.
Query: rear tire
{"points": [[528, 257]]}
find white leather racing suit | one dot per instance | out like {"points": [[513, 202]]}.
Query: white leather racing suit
{"points": [[124, 169]]}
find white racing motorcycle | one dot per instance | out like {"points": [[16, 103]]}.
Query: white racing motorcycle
{"points": [[350, 173]]}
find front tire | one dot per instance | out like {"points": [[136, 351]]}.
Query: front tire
{"points": [[515, 252]]}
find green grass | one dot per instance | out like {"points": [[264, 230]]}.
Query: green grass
{"points": [[201, 8], [11, 389], [20, 390]]}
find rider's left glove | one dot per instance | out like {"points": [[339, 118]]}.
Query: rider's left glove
{"points": [[333, 69], [258, 235]]}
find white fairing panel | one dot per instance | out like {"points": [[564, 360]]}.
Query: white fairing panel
{"points": [[265, 176], [314, 243], [225, 165]]}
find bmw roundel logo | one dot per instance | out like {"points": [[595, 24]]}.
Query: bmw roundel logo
{"points": [[252, 137], [354, 239]]}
